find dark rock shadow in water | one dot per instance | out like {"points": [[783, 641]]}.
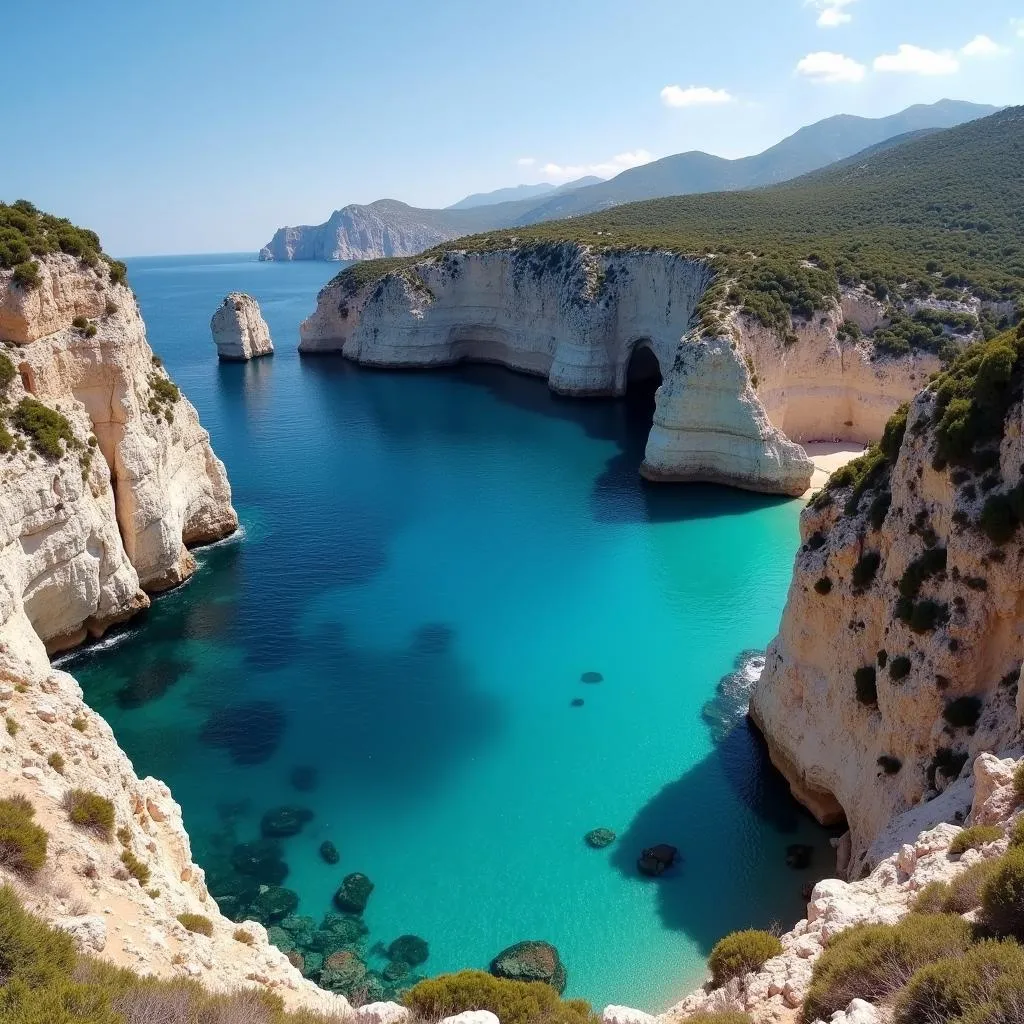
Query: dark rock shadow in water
{"points": [[249, 732]]}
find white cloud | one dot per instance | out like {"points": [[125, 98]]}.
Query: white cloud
{"points": [[832, 13], [694, 96], [914, 60], [526, 161], [605, 169], [831, 68], [1018, 25], [983, 46]]}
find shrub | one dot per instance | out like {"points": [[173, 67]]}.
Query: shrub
{"points": [[136, 868], [930, 563], [985, 986], [241, 935], [823, 586], [90, 811], [740, 953], [45, 427], [866, 569], [22, 841], [963, 712], [56, 762], [513, 1002], [124, 836], [79, 722], [7, 374], [1018, 783], [974, 837], [866, 681], [1017, 833], [80, 323], [1002, 896], [931, 899], [12, 726], [875, 960], [899, 668], [31, 954], [26, 275], [197, 923]]}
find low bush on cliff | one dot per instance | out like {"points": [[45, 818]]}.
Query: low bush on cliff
{"points": [[22, 841], [513, 1002], [930, 563], [740, 953], [26, 232], [26, 275], [8, 372], [866, 682], [49, 432], [866, 569], [1002, 896], [90, 811], [197, 923], [974, 838], [874, 961], [963, 712], [984, 986], [135, 867]]}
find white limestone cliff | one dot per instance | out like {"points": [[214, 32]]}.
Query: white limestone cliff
{"points": [[730, 409], [239, 330], [832, 746]]}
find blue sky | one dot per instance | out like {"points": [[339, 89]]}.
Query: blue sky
{"points": [[203, 125]]}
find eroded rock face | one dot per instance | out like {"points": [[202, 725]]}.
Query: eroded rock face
{"points": [[239, 330], [936, 689], [729, 409], [85, 536]]}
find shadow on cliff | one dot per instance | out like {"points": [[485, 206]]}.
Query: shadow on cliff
{"points": [[733, 871]]}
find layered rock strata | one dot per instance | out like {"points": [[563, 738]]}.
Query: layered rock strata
{"points": [[239, 330], [730, 409], [900, 648]]}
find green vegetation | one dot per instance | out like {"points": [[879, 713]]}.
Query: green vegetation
{"points": [[45, 427], [866, 681], [45, 981], [22, 841], [241, 935], [1002, 897], [163, 395], [197, 923], [56, 762], [963, 893], [79, 723], [26, 275], [930, 563], [12, 726], [1018, 783], [974, 838], [136, 868], [740, 953], [8, 372], [921, 616], [90, 811], [866, 569], [984, 985], [941, 214], [874, 961], [513, 1002]]}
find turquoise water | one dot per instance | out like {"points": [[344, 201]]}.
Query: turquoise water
{"points": [[429, 562]]}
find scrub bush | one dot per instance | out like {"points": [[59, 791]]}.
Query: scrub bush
{"points": [[974, 838], [197, 923], [90, 811], [740, 953], [22, 841]]}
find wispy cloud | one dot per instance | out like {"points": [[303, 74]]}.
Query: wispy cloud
{"points": [[914, 60], [832, 13], [694, 96], [831, 68], [984, 46], [1018, 26], [526, 161], [604, 169]]}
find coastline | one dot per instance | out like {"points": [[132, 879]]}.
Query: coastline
{"points": [[828, 456]]}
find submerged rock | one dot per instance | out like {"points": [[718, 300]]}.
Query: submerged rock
{"points": [[249, 732], [337, 930], [576, 702], [273, 903], [329, 852], [342, 971], [303, 777], [354, 893], [591, 677], [284, 821], [799, 855], [409, 948], [261, 859], [532, 960], [599, 838], [657, 860], [239, 330]]}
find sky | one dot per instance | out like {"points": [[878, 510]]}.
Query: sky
{"points": [[203, 125]]}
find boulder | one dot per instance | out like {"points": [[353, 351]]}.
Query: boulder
{"points": [[382, 1013], [273, 903], [303, 777], [657, 860], [471, 1017], [599, 838], [239, 330], [410, 949], [284, 821], [354, 893], [329, 852], [261, 859], [342, 971], [532, 960]]}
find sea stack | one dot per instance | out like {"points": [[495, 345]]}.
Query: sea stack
{"points": [[239, 330]]}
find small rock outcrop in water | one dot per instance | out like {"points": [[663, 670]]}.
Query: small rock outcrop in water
{"points": [[532, 960], [409, 949], [591, 677], [657, 860], [354, 893], [329, 852], [599, 838], [239, 330], [284, 821]]}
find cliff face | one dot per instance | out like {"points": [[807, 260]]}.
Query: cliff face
{"points": [[85, 534], [898, 656], [384, 228], [729, 409]]}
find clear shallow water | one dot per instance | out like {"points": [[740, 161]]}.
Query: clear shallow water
{"points": [[429, 563]]}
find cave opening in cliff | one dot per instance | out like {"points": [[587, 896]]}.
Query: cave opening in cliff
{"points": [[643, 378]]}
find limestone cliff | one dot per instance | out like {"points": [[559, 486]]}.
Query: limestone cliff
{"points": [[730, 407], [87, 529], [899, 652], [239, 330]]}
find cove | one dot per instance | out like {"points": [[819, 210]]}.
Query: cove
{"points": [[429, 564]]}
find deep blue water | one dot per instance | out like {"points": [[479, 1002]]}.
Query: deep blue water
{"points": [[428, 564]]}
